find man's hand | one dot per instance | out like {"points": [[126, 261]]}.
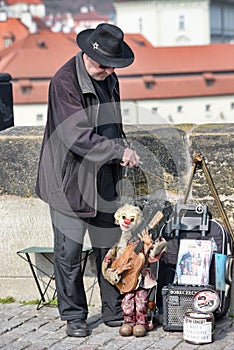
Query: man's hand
{"points": [[130, 158]]}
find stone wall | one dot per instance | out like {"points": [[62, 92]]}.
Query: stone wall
{"points": [[166, 154]]}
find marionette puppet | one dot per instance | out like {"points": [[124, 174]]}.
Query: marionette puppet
{"points": [[127, 265]]}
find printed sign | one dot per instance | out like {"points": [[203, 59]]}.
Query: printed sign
{"points": [[197, 330]]}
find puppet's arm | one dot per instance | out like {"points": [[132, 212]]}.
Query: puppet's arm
{"points": [[157, 250], [113, 275]]}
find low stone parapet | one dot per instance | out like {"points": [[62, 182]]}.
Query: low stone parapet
{"points": [[166, 154]]}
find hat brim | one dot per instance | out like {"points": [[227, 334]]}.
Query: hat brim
{"points": [[115, 62]]}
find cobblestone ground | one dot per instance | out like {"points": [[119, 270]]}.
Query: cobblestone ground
{"points": [[24, 327]]}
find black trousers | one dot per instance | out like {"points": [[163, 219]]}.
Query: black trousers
{"points": [[68, 243]]}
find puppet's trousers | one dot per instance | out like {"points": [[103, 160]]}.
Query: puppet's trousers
{"points": [[134, 306]]}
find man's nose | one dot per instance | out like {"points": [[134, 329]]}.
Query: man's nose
{"points": [[127, 221], [110, 70]]}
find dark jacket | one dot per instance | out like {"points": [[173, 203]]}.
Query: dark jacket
{"points": [[72, 151]]}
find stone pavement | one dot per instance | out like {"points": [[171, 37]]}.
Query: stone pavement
{"points": [[24, 327]]}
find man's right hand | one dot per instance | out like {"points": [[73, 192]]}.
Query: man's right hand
{"points": [[130, 158]]}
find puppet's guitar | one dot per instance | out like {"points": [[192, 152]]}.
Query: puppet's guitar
{"points": [[133, 254]]}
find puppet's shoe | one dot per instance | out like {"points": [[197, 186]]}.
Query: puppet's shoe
{"points": [[139, 330], [125, 330]]}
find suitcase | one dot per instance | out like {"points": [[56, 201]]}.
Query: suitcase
{"points": [[190, 221]]}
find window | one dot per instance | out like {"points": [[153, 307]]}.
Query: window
{"points": [[221, 21], [170, 119], [140, 25], [126, 111], [154, 110], [39, 117], [180, 109], [149, 81], [26, 90], [7, 42], [181, 22], [209, 78], [41, 44], [232, 105], [8, 39], [149, 85], [208, 108], [209, 82]]}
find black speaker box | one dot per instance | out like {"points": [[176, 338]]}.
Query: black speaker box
{"points": [[177, 300]]}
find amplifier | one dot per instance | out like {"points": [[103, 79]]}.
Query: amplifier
{"points": [[177, 300]]}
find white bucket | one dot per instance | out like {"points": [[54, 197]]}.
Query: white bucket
{"points": [[198, 327]]}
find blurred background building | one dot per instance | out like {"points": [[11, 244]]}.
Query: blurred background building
{"points": [[184, 66]]}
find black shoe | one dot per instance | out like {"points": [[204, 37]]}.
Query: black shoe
{"points": [[114, 323], [77, 328]]}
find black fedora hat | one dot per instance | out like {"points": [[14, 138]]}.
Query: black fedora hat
{"points": [[106, 45]]}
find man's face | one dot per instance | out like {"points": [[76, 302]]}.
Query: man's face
{"points": [[95, 69]]}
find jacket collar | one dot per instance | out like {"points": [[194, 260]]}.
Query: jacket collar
{"points": [[84, 80]]}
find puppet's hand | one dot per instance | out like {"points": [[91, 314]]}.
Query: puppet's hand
{"points": [[158, 248], [146, 238], [108, 259], [124, 267]]}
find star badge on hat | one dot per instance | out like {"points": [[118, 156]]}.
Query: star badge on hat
{"points": [[95, 45]]}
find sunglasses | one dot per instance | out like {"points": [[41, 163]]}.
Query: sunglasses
{"points": [[105, 67]]}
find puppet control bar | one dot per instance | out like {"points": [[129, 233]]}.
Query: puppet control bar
{"points": [[198, 159]]}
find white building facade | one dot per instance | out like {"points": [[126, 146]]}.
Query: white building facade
{"points": [[195, 110], [166, 23], [15, 10], [30, 114]]}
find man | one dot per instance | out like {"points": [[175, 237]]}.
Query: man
{"points": [[83, 152]]}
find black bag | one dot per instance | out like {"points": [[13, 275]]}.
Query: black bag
{"points": [[194, 222]]}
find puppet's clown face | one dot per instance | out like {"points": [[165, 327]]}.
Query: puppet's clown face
{"points": [[127, 222], [128, 217]]}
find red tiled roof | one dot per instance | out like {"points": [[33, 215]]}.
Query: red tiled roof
{"points": [[176, 87], [137, 41], [41, 54], [40, 24], [90, 16], [12, 27], [38, 94], [160, 72], [183, 59], [29, 2], [38, 55]]}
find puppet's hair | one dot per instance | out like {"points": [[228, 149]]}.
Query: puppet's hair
{"points": [[128, 210]]}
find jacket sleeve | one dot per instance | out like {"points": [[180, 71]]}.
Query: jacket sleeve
{"points": [[72, 124]]}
